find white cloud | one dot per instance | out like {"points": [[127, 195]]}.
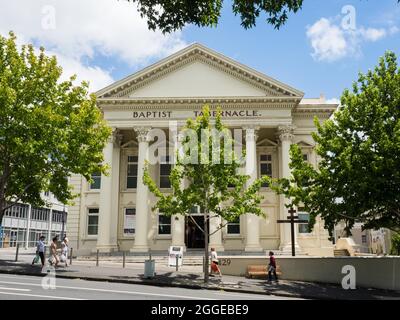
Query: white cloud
{"points": [[97, 77], [328, 40], [393, 30], [331, 42], [82, 30], [372, 34]]}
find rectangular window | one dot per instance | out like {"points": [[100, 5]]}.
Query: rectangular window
{"points": [[364, 238], [164, 224], [234, 227], [129, 221], [303, 227], [305, 157], [165, 171], [93, 221], [265, 166], [195, 210], [96, 184], [132, 169]]}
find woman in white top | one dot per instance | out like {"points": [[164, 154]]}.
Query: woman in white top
{"points": [[214, 262], [64, 251]]}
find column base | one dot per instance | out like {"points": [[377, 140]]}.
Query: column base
{"points": [[218, 247], [253, 248], [143, 249], [286, 249], [105, 249]]}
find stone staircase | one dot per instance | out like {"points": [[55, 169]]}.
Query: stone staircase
{"points": [[341, 253]]}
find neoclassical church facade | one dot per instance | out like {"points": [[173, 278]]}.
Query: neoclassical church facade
{"points": [[114, 213]]}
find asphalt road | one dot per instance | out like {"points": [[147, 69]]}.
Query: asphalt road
{"points": [[15, 287]]}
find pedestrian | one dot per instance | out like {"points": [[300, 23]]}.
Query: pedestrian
{"points": [[53, 253], [272, 267], [64, 251], [214, 262], [40, 247]]}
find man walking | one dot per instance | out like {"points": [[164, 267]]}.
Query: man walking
{"points": [[40, 250]]}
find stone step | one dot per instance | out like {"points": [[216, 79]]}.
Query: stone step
{"points": [[341, 253]]}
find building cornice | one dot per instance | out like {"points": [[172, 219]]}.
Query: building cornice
{"points": [[188, 55], [199, 102]]}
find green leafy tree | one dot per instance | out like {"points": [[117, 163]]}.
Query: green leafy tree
{"points": [[395, 248], [49, 128], [358, 176], [218, 189], [172, 15]]}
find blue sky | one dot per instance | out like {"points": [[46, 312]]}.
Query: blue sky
{"points": [[105, 40]]}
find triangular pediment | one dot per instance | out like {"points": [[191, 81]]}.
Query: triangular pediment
{"points": [[197, 71], [305, 144]]}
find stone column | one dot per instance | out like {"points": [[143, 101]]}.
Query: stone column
{"points": [[178, 220], [104, 243], [286, 138], [252, 221], [50, 222], [142, 193], [313, 157], [28, 226], [115, 189]]}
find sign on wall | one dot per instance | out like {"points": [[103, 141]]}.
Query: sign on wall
{"points": [[130, 221]]}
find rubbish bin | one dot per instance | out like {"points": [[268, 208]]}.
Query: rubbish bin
{"points": [[149, 269]]}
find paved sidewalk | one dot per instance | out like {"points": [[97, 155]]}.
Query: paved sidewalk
{"points": [[191, 277]]}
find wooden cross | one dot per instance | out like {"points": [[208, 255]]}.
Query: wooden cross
{"points": [[292, 219]]}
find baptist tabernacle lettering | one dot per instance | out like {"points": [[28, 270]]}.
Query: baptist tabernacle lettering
{"points": [[224, 113], [152, 114]]}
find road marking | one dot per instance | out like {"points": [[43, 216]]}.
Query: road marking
{"points": [[39, 296], [12, 276], [15, 289], [112, 291]]}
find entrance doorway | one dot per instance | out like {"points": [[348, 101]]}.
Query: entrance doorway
{"points": [[194, 237]]}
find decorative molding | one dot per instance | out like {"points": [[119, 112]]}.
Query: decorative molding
{"points": [[198, 103], [142, 134], [130, 144], [251, 132], [285, 132], [270, 142], [189, 55]]}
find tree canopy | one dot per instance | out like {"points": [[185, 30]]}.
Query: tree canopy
{"points": [[199, 179], [172, 15], [49, 128], [357, 178]]}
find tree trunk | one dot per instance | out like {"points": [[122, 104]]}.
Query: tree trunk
{"points": [[2, 205], [206, 264]]}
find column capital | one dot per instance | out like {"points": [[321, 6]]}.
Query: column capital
{"points": [[143, 134], [251, 132], [285, 132], [116, 137]]}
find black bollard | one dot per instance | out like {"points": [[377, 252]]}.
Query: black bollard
{"points": [[16, 253], [70, 258]]}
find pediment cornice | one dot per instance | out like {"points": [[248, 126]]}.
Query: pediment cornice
{"points": [[193, 53], [190, 103]]}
